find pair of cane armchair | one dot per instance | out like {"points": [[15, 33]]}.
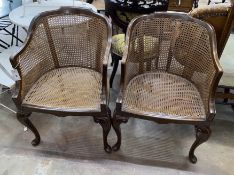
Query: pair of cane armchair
{"points": [[170, 71]]}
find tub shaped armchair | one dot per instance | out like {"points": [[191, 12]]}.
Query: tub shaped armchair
{"points": [[63, 68], [172, 77]]}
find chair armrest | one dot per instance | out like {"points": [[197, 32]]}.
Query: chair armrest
{"points": [[105, 85], [123, 70], [105, 81], [15, 62], [125, 77], [121, 92], [31, 61], [215, 82], [213, 76]]}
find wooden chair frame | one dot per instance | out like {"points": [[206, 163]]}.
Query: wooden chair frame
{"points": [[202, 128], [102, 117]]}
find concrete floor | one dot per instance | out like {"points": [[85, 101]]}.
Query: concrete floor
{"points": [[73, 145]]}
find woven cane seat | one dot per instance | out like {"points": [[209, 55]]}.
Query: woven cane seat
{"points": [[67, 89], [163, 95]]}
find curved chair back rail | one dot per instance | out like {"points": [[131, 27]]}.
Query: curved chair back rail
{"points": [[170, 72]]}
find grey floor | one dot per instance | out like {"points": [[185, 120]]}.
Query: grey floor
{"points": [[73, 145]]}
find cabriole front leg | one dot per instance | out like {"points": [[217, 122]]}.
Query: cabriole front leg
{"points": [[23, 118], [116, 121], [202, 135], [105, 122]]}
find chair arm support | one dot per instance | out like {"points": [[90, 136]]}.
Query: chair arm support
{"points": [[29, 68], [215, 82], [123, 70], [16, 95], [105, 81], [105, 86], [121, 92]]}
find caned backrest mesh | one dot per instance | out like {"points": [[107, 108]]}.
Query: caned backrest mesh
{"points": [[79, 40], [37, 56], [60, 40], [171, 45]]}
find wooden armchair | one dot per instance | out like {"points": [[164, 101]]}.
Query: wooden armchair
{"points": [[172, 77], [220, 16], [63, 68]]}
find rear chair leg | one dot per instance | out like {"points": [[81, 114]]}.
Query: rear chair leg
{"points": [[116, 121], [202, 135], [226, 91], [115, 68], [23, 118], [105, 122]]}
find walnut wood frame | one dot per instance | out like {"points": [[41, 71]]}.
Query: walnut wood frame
{"points": [[202, 128], [102, 117]]}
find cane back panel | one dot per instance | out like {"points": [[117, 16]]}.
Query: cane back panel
{"points": [[63, 38], [176, 44]]}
